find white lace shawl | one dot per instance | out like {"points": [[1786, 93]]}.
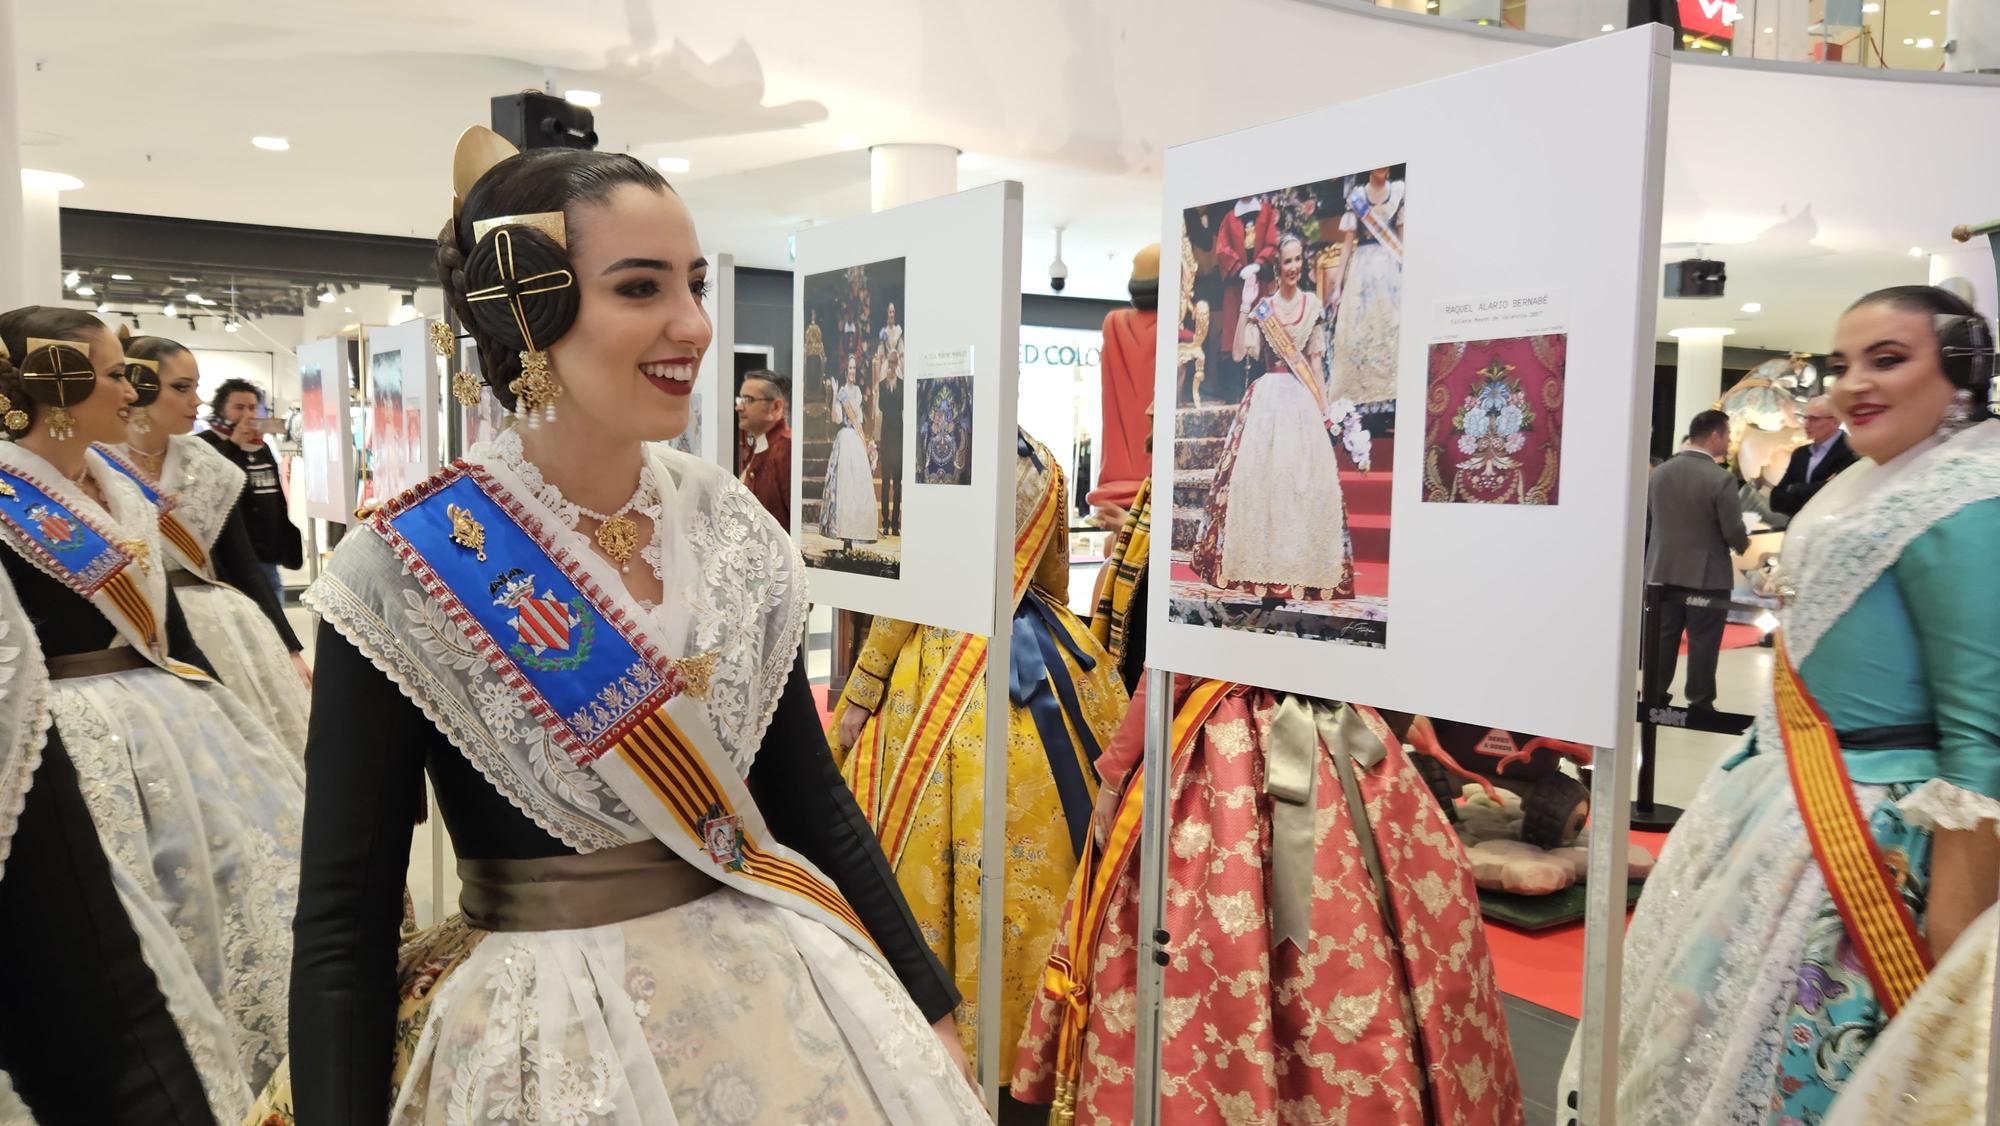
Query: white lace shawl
{"points": [[733, 586], [1853, 531], [207, 483], [24, 711], [130, 519]]}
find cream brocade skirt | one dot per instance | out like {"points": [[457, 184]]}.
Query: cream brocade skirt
{"points": [[250, 658], [726, 1011]]}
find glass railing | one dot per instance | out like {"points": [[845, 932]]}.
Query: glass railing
{"points": [[1919, 35]]}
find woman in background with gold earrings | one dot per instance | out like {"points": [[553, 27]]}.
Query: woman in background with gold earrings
{"points": [[196, 810], [232, 611], [673, 911]]}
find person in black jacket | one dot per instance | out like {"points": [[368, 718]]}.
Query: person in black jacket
{"points": [[237, 429], [1821, 459]]}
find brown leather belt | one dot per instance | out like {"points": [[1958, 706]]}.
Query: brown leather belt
{"points": [[181, 578], [97, 662], [592, 889]]}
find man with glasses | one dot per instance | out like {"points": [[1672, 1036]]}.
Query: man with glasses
{"points": [[764, 441], [1814, 464]]}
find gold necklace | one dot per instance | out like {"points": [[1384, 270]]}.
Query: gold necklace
{"points": [[617, 534]]}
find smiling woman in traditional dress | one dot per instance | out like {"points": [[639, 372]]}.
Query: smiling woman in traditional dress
{"points": [[232, 611], [1276, 524], [178, 923], [1824, 869], [674, 910]]}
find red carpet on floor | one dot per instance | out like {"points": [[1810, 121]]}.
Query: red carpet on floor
{"points": [[1734, 636], [1546, 967]]}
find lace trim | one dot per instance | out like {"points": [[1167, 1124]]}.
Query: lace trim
{"points": [[126, 516], [24, 699], [209, 486], [1940, 806], [352, 618]]}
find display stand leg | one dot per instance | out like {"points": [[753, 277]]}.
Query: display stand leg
{"points": [[1647, 814], [1153, 940], [993, 866], [1604, 932]]}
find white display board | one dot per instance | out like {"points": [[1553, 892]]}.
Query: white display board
{"points": [[711, 432], [403, 408], [951, 268], [327, 443], [1511, 225]]}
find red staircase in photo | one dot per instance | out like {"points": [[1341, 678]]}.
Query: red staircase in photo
{"points": [[1201, 433]]}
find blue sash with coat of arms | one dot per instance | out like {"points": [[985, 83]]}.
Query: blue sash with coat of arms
{"points": [[88, 559], [179, 540], [597, 685]]}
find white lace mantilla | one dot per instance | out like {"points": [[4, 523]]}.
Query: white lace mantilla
{"points": [[207, 483], [24, 711], [1860, 524], [733, 586]]}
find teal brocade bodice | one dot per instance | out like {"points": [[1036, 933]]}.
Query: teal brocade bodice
{"points": [[1921, 647]]}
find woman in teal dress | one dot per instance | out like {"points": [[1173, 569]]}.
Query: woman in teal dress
{"points": [[1749, 997]]}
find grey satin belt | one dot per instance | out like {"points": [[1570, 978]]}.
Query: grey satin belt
{"points": [[591, 889]]}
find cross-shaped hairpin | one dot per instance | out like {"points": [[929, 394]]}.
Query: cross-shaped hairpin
{"points": [[69, 362], [513, 287]]}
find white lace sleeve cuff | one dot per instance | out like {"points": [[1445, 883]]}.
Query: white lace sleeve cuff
{"points": [[1938, 805]]}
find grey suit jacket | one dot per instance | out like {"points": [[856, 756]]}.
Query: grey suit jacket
{"points": [[1696, 521]]}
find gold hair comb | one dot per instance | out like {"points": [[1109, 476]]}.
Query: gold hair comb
{"points": [[150, 365], [479, 149]]}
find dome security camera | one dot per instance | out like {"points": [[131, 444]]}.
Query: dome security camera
{"points": [[1058, 271]]}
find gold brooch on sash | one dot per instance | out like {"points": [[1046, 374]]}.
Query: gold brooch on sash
{"points": [[465, 531], [697, 673], [140, 551], [7, 490]]}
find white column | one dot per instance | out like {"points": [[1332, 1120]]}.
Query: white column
{"points": [[900, 174], [12, 292], [1697, 374], [41, 235]]}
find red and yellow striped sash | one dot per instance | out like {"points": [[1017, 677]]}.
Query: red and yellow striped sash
{"points": [[184, 544], [1878, 922], [1067, 976], [661, 754]]}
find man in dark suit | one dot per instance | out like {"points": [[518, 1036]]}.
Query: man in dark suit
{"points": [[1823, 456], [1696, 521]]}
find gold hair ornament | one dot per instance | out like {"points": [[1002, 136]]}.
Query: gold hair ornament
{"points": [[535, 389], [51, 387]]}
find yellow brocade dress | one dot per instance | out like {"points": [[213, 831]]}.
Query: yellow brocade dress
{"points": [[918, 765]]}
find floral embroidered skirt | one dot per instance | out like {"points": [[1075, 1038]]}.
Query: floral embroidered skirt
{"points": [[724, 1011], [1367, 331], [250, 659], [1744, 1003], [1255, 1030], [200, 814]]}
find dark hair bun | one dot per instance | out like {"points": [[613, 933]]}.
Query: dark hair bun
{"points": [[58, 375], [519, 278], [145, 381]]}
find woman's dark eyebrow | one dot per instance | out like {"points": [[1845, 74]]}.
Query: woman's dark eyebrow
{"points": [[651, 264]]}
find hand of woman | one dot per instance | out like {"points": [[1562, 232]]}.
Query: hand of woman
{"points": [[954, 1049], [1250, 292], [850, 727], [305, 671], [1105, 813]]}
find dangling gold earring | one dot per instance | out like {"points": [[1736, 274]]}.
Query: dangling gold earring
{"points": [[467, 389], [535, 389], [11, 416], [62, 424]]}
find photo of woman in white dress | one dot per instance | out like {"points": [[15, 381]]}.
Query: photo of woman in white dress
{"points": [[1368, 293], [1276, 523], [851, 515]]}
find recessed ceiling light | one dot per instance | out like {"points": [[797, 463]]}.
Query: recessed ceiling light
{"points": [[326, 296], [588, 99], [271, 144], [1752, 307], [194, 297], [1870, 9], [103, 308], [1926, 44], [1909, 42], [121, 277], [70, 279], [52, 181], [1916, 252], [229, 324], [1700, 333], [673, 165], [85, 291], [1937, 11], [1608, 27], [168, 308], [1769, 30]]}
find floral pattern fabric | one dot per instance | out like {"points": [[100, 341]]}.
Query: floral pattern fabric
{"points": [[1260, 1031]]}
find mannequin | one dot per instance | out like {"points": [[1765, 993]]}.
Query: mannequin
{"points": [[1131, 340]]}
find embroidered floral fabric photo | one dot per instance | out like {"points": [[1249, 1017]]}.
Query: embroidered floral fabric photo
{"points": [[1493, 421]]}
